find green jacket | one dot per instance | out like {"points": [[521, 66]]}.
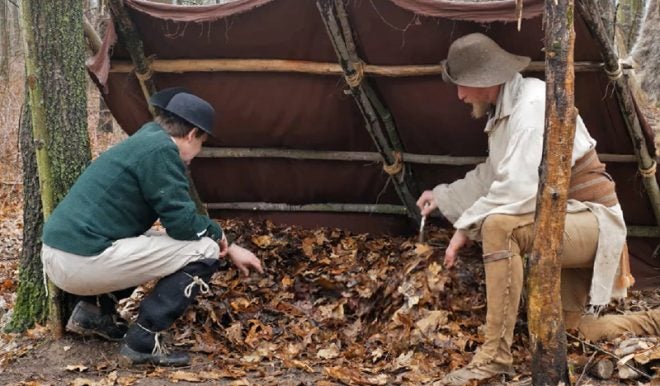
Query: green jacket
{"points": [[123, 192]]}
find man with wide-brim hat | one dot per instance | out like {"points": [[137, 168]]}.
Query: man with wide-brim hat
{"points": [[495, 202], [98, 244]]}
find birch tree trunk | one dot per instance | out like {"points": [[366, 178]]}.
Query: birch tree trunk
{"points": [[546, 327], [55, 71]]}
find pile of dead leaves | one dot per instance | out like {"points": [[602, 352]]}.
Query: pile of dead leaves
{"points": [[350, 308]]}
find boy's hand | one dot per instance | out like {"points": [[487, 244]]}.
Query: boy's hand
{"points": [[224, 248], [244, 259]]}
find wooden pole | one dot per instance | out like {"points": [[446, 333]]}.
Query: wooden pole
{"points": [[379, 126], [308, 67], [128, 34], [345, 156], [546, 327], [324, 207], [590, 11], [93, 38]]}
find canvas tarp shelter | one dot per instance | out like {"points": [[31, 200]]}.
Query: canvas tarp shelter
{"points": [[272, 109]]}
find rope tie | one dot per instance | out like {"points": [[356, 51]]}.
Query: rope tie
{"points": [[203, 287], [355, 78], [616, 73], [159, 348], [145, 76], [396, 167], [650, 171]]}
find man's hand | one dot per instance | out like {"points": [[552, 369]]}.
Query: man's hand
{"points": [[244, 259], [224, 248], [458, 241], [426, 203]]}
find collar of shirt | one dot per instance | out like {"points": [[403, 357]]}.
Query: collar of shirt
{"points": [[505, 102]]}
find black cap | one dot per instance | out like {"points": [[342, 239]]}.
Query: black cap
{"points": [[187, 106]]}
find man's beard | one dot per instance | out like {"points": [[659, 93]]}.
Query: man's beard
{"points": [[480, 109]]}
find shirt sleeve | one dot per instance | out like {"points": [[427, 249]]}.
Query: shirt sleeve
{"points": [[165, 188], [515, 182], [455, 198]]}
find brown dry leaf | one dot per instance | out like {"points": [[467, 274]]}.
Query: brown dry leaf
{"points": [[240, 382], [258, 332], [224, 373], [184, 376], [127, 381], [7, 284], [348, 376], [423, 250], [76, 368], [331, 311], [286, 282], [326, 383], [330, 352], [37, 332], [308, 246], [434, 279], [265, 350], [234, 333], [112, 377], [263, 241], [88, 382], [431, 321], [403, 360], [240, 304], [297, 364]]}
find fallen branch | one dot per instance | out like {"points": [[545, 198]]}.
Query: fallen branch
{"points": [[593, 346]]}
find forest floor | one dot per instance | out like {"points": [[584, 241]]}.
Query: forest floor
{"points": [[332, 308]]}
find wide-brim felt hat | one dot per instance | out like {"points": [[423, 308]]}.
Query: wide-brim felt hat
{"points": [[475, 60], [187, 106]]}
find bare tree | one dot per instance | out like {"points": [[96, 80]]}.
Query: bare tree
{"points": [[54, 64]]}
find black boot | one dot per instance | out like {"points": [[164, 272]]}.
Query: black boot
{"points": [[168, 301], [144, 347], [88, 320]]}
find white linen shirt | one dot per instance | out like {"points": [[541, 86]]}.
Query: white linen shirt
{"points": [[507, 182]]}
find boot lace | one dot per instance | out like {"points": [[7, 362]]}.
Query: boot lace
{"points": [[159, 348], [203, 287]]}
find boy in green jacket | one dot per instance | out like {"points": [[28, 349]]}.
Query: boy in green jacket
{"points": [[98, 244]]}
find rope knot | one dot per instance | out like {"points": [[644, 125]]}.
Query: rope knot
{"points": [[396, 167], [616, 73], [146, 75], [650, 171], [356, 77]]}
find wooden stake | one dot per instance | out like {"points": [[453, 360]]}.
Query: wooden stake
{"points": [[375, 115], [546, 327]]}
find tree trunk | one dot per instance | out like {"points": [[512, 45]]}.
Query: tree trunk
{"points": [[31, 305], [54, 62], [629, 19], [5, 47], [546, 327]]}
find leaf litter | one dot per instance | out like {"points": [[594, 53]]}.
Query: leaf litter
{"points": [[332, 307]]}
